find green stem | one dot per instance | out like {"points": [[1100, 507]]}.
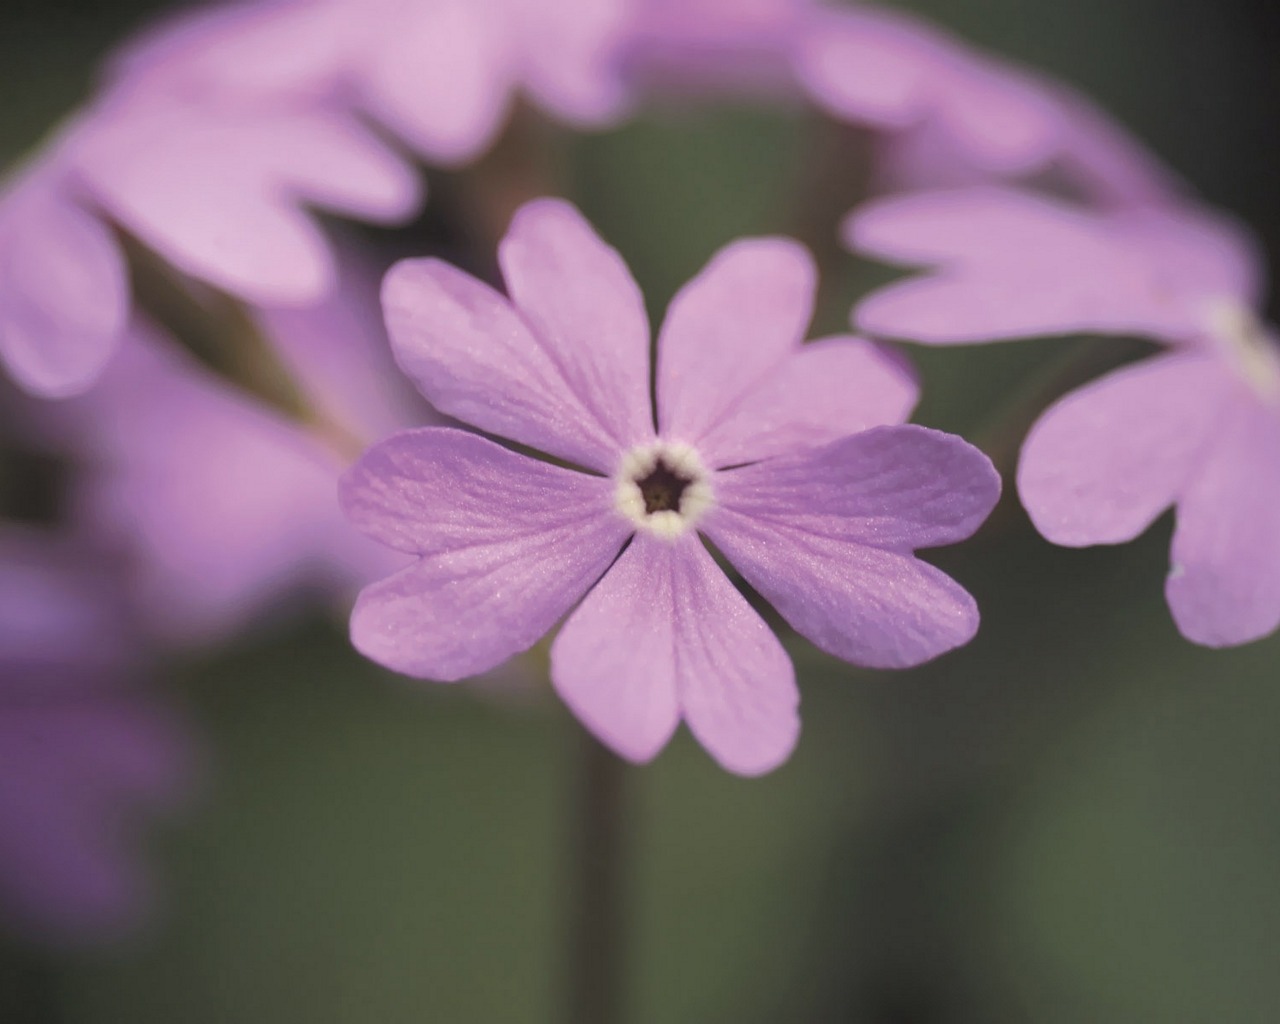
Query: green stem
{"points": [[596, 931]]}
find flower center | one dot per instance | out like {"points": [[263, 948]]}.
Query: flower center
{"points": [[1249, 348], [663, 488]]}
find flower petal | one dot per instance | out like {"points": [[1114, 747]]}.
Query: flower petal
{"points": [[508, 545], [663, 632], [585, 307], [893, 71], [827, 390], [900, 488], [64, 295], [728, 329], [1012, 265], [1102, 463], [443, 78], [807, 544], [1224, 582], [475, 358], [220, 196]]}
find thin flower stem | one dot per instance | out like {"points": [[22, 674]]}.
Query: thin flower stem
{"points": [[596, 941]]}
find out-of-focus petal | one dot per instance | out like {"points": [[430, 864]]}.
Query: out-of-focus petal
{"points": [[827, 390], [442, 78], [567, 57], [1224, 580], [893, 71], [1197, 253], [475, 357], [228, 508], [728, 330], [666, 633], [1012, 265], [219, 192], [901, 487], [508, 546], [1103, 462], [254, 51], [64, 293]]}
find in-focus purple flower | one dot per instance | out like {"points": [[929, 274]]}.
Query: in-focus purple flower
{"points": [[778, 453], [441, 74], [958, 116], [1197, 428], [82, 751], [227, 507]]}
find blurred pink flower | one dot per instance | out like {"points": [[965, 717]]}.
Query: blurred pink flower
{"points": [[441, 74], [1197, 428], [81, 750], [228, 508], [770, 448], [218, 191], [947, 113], [955, 115]]}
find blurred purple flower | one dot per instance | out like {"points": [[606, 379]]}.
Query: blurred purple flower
{"points": [[441, 74], [947, 113], [955, 115], [218, 191], [81, 751], [227, 507], [770, 448], [1197, 428]]}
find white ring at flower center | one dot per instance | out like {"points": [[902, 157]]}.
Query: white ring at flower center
{"points": [[682, 460]]}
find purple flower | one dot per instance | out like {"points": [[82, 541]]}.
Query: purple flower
{"points": [[439, 73], [1197, 428], [81, 750], [775, 451], [218, 191], [956, 115], [227, 507]]}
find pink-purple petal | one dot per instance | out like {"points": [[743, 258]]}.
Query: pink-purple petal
{"points": [[895, 72], [582, 303], [1011, 265], [898, 487], [476, 359], [728, 329], [1224, 581], [508, 545], [811, 545], [64, 293], [827, 390], [663, 634], [220, 194], [442, 78], [1103, 462]]}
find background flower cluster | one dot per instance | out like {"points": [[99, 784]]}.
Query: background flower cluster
{"points": [[190, 327]]}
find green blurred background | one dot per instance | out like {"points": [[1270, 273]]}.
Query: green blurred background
{"points": [[1075, 819]]}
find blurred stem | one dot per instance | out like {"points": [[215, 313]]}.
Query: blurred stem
{"points": [[596, 939], [223, 335]]}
